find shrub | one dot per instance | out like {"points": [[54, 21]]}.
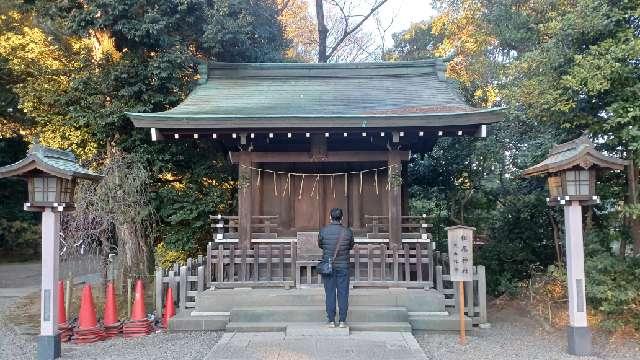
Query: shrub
{"points": [[21, 238], [166, 257], [521, 238], [613, 288]]}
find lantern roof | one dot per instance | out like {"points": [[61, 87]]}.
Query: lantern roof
{"points": [[580, 152], [51, 161]]}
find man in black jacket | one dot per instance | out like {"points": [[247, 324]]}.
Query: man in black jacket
{"points": [[336, 283]]}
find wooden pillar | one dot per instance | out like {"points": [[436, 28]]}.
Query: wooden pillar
{"points": [[579, 334], [256, 194], [394, 194], [49, 340], [245, 198]]}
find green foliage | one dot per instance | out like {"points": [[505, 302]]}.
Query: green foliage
{"points": [[19, 238], [415, 43], [197, 182], [75, 67], [520, 238], [166, 257], [613, 288]]}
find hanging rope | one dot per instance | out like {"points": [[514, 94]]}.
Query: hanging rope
{"points": [[333, 189], [275, 183], [315, 190], [375, 180], [345, 184], [315, 185], [301, 185]]}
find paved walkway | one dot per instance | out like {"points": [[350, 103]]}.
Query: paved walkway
{"points": [[18, 280], [366, 345]]}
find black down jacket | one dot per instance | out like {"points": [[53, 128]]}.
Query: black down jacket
{"points": [[328, 238]]}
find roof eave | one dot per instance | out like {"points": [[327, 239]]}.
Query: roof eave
{"points": [[31, 163], [596, 158], [175, 121]]}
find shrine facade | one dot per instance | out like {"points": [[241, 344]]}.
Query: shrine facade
{"points": [[309, 137], [306, 138]]}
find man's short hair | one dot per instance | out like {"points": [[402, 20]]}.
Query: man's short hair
{"points": [[336, 214]]}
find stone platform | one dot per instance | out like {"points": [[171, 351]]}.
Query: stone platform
{"points": [[317, 344], [273, 310]]}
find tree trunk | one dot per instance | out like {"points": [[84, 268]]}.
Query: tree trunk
{"points": [[556, 237], [322, 32], [632, 199]]}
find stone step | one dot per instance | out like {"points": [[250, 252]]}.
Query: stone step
{"points": [[438, 321], [317, 329], [191, 321], [256, 327], [227, 299], [380, 326], [292, 314]]}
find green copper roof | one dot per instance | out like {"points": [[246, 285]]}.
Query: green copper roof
{"points": [[56, 162], [578, 152], [315, 92]]}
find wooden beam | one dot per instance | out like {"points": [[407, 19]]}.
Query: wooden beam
{"points": [[304, 157]]}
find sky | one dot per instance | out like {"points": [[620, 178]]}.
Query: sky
{"points": [[398, 15], [405, 12]]}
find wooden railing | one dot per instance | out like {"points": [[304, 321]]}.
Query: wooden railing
{"points": [[185, 280], [227, 227], [377, 226], [377, 265], [260, 265], [475, 293]]}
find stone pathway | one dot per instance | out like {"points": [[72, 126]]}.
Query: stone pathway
{"points": [[317, 345]]}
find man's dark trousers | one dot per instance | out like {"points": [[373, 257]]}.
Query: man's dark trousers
{"points": [[337, 283]]}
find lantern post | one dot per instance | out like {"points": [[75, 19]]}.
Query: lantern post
{"points": [[51, 178], [571, 171]]}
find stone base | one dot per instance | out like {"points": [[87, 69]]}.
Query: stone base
{"points": [[48, 347], [579, 340]]}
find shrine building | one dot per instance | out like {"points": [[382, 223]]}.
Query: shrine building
{"points": [[310, 137], [306, 138]]}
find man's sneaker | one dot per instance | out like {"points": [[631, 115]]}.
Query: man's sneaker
{"points": [[331, 324], [342, 324]]}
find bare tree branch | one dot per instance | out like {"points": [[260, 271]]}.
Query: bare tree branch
{"points": [[356, 27], [347, 31]]}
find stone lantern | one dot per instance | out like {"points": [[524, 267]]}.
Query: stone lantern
{"points": [[51, 177], [571, 169]]}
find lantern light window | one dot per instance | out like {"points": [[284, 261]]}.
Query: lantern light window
{"points": [[577, 182]]}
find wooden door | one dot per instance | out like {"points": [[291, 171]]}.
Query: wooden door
{"points": [[307, 203]]}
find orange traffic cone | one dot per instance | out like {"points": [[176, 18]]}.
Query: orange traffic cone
{"points": [[138, 311], [64, 329], [112, 326], [88, 330], [139, 325], [169, 308]]}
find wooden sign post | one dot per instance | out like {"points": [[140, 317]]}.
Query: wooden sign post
{"points": [[460, 241]]}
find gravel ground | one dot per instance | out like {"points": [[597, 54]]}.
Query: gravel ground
{"points": [[19, 275], [18, 328], [19, 342], [513, 335]]}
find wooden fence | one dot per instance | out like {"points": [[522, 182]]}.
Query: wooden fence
{"points": [[185, 281], [261, 265], [414, 265], [377, 265], [475, 293]]}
